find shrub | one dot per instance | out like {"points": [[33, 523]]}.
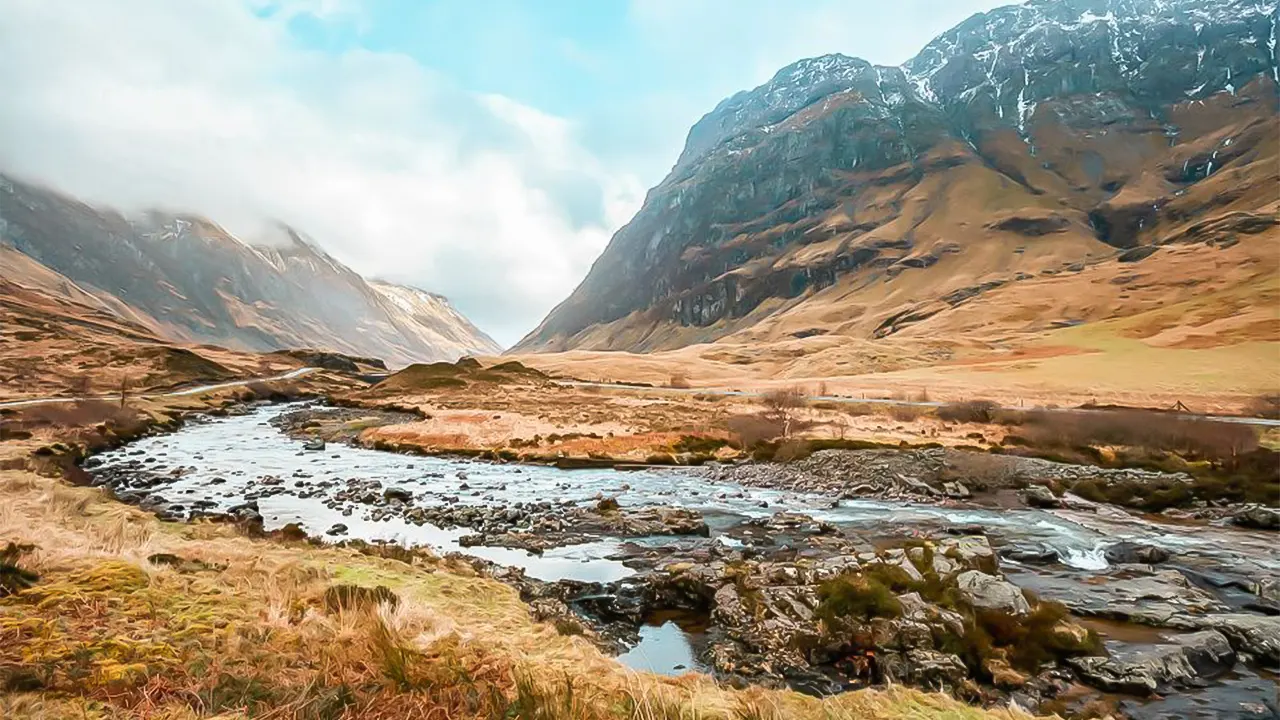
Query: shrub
{"points": [[1154, 431], [792, 450], [782, 403], [856, 596], [751, 430], [1264, 406], [969, 411], [906, 413]]}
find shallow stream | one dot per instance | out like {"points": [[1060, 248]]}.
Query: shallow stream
{"points": [[214, 464]]}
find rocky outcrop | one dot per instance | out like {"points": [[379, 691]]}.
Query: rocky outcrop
{"points": [[1140, 594], [925, 474], [1146, 671], [1255, 636], [1257, 517]]}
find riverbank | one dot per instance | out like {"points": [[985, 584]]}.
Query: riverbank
{"points": [[114, 612], [612, 553]]}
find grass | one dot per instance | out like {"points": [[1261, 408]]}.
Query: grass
{"points": [[240, 627]]}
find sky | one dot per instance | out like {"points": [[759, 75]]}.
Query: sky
{"points": [[483, 149]]}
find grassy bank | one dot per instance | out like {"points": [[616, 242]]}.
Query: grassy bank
{"points": [[107, 612]]}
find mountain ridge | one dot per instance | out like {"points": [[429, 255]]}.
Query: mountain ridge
{"points": [[188, 279], [971, 164]]}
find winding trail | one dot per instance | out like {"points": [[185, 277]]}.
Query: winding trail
{"points": [[176, 393]]}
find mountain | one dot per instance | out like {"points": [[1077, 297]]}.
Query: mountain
{"points": [[1043, 165], [436, 321], [185, 278]]}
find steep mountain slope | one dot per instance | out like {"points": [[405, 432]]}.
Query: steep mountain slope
{"points": [[1017, 151], [187, 279], [437, 322]]}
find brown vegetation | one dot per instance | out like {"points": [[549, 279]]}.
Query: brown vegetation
{"points": [[1193, 438], [782, 404], [969, 411], [753, 429], [240, 627]]}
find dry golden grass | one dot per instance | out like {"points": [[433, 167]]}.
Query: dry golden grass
{"points": [[239, 631]]}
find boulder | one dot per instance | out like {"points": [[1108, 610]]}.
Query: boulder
{"points": [[991, 593], [1254, 635], [933, 669], [1147, 670], [970, 551], [398, 494], [313, 444], [1126, 553], [1161, 598], [1257, 517], [1039, 496], [1031, 555]]}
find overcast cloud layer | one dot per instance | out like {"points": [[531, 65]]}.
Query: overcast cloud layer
{"points": [[396, 168]]}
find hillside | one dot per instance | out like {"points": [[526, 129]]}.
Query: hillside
{"points": [[185, 278], [1040, 167]]}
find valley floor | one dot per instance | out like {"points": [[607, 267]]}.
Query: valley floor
{"points": [[107, 612]]}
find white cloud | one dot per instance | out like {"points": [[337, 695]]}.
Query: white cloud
{"points": [[206, 105]]}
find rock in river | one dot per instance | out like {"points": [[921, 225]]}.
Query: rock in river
{"points": [[1255, 635], [991, 593], [1125, 553], [1257, 517], [1147, 670], [1039, 496]]}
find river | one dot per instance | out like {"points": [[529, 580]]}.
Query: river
{"points": [[214, 465]]}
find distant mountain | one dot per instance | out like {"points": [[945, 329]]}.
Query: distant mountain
{"points": [[1013, 152], [188, 279]]}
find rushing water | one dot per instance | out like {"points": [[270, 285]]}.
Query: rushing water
{"points": [[219, 461]]}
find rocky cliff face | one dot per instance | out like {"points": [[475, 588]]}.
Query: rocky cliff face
{"points": [[1026, 142], [187, 279]]}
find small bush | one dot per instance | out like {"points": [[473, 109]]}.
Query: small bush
{"points": [[1154, 431], [856, 596], [906, 413], [969, 411], [792, 450], [751, 430], [1264, 406]]}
